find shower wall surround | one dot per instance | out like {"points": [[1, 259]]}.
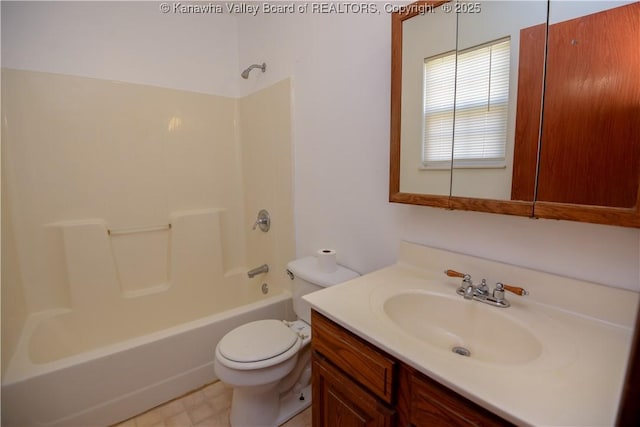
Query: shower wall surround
{"points": [[81, 156]]}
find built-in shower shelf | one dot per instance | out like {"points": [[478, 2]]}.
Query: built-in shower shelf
{"points": [[149, 290], [143, 229], [103, 265]]}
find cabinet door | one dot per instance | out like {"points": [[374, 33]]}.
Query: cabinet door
{"points": [[364, 363], [433, 405], [590, 134], [338, 401]]}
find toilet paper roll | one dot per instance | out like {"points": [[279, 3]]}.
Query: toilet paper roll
{"points": [[327, 260]]}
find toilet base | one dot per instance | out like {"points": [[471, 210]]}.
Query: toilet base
{"points": [[249, 409], [291, 404]]}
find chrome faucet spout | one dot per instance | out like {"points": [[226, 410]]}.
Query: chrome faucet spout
{"points": [[467, 289], [264, 268], [469, 292]]}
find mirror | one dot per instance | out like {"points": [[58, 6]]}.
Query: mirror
{"points": [[489, 94], [458, 150], [431, 34], [580, 160]]}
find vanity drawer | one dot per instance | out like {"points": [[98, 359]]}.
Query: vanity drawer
{"points": [[365, 364], [434, 405]]}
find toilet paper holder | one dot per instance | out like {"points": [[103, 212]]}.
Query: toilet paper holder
{"points": [[263, 221]]}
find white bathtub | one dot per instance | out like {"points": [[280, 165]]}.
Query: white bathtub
{"points": [[95, 369]]}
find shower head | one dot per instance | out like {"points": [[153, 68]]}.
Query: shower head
{"points": [[245, 73]]}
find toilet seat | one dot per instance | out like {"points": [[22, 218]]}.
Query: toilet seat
{"points": [[258, 344]]}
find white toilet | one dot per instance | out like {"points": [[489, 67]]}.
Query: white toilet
{"points": [[267, 362]]}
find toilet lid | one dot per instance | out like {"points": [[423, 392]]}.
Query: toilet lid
{"points": [[256, 341]]}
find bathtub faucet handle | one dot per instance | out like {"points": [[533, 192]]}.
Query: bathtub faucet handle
{"points": [[263, 221]]}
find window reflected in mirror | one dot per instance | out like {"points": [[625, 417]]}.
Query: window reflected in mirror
{"points": [[498, 21], [466, 95]]}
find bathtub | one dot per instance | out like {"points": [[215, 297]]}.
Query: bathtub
{"points": [[92, 368]]}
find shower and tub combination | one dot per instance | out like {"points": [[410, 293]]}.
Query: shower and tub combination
{"points": [[127, 267], [118, 354], [113, 382]]}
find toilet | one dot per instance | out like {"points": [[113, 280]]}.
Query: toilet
{"points": [[268, 362]]}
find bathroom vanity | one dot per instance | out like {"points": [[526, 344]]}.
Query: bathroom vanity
{"points": [[385, 347], [387, 392]]}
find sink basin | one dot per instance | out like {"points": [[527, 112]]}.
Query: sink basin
{"points": [[459, 325]]}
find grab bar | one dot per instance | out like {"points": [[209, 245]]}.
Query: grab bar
{"points": [[130, 230]]}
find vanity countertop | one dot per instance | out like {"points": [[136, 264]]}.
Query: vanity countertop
{"points": [[585, 329]]}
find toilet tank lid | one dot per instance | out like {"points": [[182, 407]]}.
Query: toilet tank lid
{"points": [[307, 269]]}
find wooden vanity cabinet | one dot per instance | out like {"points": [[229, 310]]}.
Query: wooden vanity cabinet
{"points": [[352, 380], [356, 384]]}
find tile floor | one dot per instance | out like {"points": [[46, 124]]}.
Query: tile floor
{"points": [[205, 407]]}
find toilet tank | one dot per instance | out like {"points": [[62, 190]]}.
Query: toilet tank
{"points": [[308, 277]]}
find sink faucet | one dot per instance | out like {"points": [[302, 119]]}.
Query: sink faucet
{"points": [[481, 292], [483, 288], [264, 268], [467, 287]]}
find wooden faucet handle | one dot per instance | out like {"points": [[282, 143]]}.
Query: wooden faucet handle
{"points": [[453, 273], [516, 290]]}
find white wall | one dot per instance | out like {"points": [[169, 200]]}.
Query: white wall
{"points": [[340, 66], [126, 41]]}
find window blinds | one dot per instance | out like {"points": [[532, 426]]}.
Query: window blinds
{"points": [[469, 96]]}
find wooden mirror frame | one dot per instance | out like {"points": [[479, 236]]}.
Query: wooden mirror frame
{"points": [[627, 217]]}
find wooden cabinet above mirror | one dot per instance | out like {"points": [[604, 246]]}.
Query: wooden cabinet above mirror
{"points": [[575, 146]]}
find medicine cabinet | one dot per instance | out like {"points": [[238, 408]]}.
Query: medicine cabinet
{"points": [[527, 108]]}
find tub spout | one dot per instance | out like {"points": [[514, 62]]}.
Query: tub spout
{"points": [[264, 268]]}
